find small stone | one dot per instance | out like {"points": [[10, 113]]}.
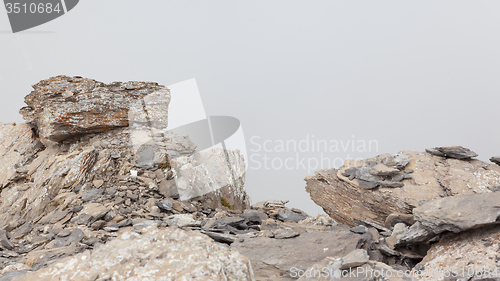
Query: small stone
{"points": [[165, 205], [97, 183], [397, 161], [290, 216], [92, 194], [76, 209], [111, 228], [64, 233], [383, 170], [124, 223], [390, 184], [133, 197], [286, 235], [354, 259], [495, 160], [98, 225], [360, 229], [255, 217]]}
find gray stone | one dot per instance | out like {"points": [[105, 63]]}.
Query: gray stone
{"points": [[459, 213], [354, 259], [4, 241], [232, 221], [165, 205], [146, 158], [290, 216], [397, 160], [220, 237], [382, 170], [286, 235], [183, 220], [416, 234], [391, 184], [273, 258], [92, 194], [168, 188], [360, 229], [111, 228], [456, 152], [255, 217], [495, 160]]}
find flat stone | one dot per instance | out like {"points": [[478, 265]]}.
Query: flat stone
{"points": [[92, 194], [286, 235], [255, 217], [183, 220], [354, 259], [495, 160], [397, 160], [360, 229], [459, 213], [382, 170], [416, 234], [220, 237], [98, 183], [391, 184], [290, 216], [457, 152], [165, 205]]}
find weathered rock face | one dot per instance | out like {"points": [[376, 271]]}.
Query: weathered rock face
{"points": [[344, 195], [61, 198], [166, 254], [471, 255], [454, 214], [62, 107]]}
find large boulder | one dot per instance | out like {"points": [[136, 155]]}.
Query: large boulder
{"points": [[353, 193], [166, 254], [62, 107]]}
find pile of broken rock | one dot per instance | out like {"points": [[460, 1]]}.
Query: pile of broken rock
{"points": [[70, 208]]}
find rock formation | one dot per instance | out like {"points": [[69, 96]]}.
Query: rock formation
{"points": [[358, 192], [94, 187]]}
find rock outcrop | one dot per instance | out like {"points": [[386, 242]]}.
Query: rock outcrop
{"points": [[62, 107], [358, 192], [72, 186]]}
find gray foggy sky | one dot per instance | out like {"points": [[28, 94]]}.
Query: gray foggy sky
{"points": [[409, 75]]}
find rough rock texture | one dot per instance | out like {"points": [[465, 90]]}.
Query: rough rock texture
{"points": [[61, 107], [459, 213], [272, 258], [468, 254], [60, 198], [18, 147], [429, 177], [166, 254]]}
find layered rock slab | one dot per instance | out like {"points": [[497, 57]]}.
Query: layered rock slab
{"points": [[432, 177], [62, 107]]}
